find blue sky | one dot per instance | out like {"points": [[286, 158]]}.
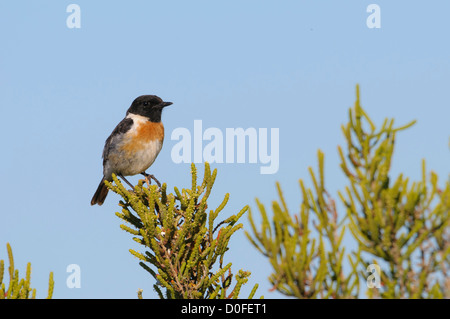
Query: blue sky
{"points": [[291, 65]]}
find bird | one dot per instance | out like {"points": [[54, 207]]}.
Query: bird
{"points": [[134, 144]]}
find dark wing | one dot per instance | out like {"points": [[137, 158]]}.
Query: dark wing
{"points": [[121, 128]]}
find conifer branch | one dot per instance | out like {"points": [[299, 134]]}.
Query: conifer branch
{"points": [[403, 226], [180, 238], [19, 288]]}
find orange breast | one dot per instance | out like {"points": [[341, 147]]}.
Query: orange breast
{"points": [[150, 131], [143, 135]]}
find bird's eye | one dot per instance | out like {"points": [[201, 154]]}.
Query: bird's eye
{"points": [[145, 103]]}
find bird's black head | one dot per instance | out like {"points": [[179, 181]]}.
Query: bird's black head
{"points": [[149, 106]]}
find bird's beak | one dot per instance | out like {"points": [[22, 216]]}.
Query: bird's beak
{"points": [[164, 104]]}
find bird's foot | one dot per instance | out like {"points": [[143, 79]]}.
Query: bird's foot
{"points": [[149, 177]]}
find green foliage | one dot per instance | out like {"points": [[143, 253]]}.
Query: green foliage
{"points": [[402, 226], [19, 288], [185, 246], [306, 266]]}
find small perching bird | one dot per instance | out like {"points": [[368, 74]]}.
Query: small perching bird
{"points": [[134, 144]]}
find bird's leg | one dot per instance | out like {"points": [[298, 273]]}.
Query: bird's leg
{"points": [[156, 181], [122, 177], [148, 177]]}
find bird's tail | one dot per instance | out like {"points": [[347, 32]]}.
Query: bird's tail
{"points": [[100, 194]]}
